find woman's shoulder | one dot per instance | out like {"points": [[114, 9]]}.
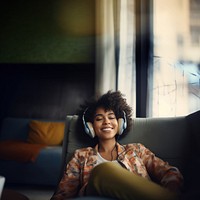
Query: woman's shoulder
{"points": [[135, 146]]}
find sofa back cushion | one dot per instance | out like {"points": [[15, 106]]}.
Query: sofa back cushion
{"points": [[46, 132], [14, 128], [168, 138], [73, 139], [19, 129]]}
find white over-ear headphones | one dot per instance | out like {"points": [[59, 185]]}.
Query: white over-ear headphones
{"points": [[88, 126], [122, 124]]}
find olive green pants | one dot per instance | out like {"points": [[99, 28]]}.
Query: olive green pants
{"points": [[111, 180]]}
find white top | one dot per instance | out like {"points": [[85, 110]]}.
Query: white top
{"points": [[100, 159]]}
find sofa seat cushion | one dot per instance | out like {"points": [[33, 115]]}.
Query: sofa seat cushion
{"points": [[44, 171], [19, 151]]}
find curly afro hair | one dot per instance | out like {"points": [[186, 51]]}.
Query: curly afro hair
{"points": [[114, 101]]}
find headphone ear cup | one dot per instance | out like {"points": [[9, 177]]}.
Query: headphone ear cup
{"points": [[122, 123], [90, 131], [121, 126]]}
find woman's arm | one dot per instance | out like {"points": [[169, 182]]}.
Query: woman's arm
{"points": [[69, 184], [160, 171]]}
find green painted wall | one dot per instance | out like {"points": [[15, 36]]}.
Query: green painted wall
{"points": [[47, 31]]}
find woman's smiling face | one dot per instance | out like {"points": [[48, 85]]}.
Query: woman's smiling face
{"points": [[105, 124]]}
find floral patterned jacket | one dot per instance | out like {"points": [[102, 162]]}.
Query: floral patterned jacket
{"points": [[134, 157]]}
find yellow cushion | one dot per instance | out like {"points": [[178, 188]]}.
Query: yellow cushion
{"points": [[49, 133]]}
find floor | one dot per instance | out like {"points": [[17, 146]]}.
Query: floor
{"points": [[34, 192]]}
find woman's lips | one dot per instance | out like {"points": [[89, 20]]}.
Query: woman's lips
{"points": [[106, 129]]}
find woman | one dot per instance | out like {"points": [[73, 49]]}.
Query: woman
{"points": [[111, 169]]}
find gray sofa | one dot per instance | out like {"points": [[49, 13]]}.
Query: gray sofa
{"points": [[174, 139], [44, 170]]}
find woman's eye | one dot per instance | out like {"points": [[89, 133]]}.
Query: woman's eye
{"points": [[99, 118], [112, 117]]}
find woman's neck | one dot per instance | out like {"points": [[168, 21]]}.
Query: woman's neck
{"points": [[108, 150], [107, 145]]}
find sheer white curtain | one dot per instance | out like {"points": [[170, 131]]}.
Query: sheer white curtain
{"points": [[105, 47], [126, 68], [115, 47]]}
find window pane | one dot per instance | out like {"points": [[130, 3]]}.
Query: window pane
{"points": [[175, 79]]}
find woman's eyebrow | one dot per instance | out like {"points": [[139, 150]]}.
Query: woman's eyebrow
{"points": [[111, 113], [98, 114]]}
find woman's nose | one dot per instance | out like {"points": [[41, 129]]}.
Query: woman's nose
{"points": [[106, 120]]}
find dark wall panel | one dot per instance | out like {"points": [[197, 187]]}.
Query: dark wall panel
{"points": [[44, 90]]}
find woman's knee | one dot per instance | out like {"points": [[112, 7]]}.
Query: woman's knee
{"points": [[101, 179]]}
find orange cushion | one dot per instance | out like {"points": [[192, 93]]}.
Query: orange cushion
{"points": [[19, 151], [49, 133]]}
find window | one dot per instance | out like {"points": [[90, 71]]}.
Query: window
{"points": [[174, 84]]}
